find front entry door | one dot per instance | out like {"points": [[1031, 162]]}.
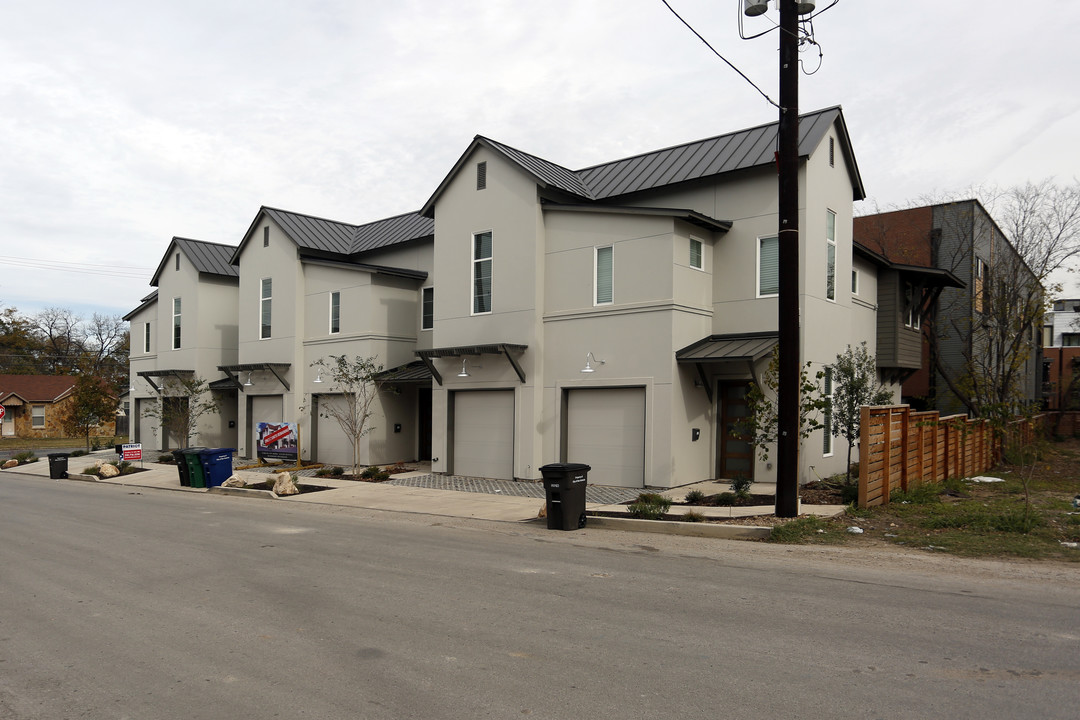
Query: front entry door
{"points": [[736, 454]]}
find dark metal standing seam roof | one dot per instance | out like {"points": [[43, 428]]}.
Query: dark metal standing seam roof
{"points": [[339, 238], [552, 174], [725, 153], [206, 257], [728, 348]]}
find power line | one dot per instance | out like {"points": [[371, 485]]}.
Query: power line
{"points": [[717, 54], [125, 271]]}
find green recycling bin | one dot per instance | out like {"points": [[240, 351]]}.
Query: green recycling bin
{"points": [[193, 460]]}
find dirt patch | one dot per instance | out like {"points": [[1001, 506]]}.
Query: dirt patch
{"points": [[304, 487]]}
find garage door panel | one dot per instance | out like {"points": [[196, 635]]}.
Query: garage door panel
{"points": [[484, 434], [334, 446], [606, 430]]}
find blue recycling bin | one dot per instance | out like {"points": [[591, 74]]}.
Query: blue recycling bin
{"points": [[216, 464]]}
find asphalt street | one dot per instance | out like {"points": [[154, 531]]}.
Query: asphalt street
{"points": [[124, 603]]}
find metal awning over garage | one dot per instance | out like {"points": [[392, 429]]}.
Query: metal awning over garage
{"points": [[179, 374], [414, 373], [716, 349], [464, 350], [277, 368]]}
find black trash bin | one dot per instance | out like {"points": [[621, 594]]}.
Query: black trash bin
{"points": [[182, 468], [564, 486], [216, 465], [58, 466]]}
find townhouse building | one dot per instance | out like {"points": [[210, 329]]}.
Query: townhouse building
{"points": [[529, 313]]}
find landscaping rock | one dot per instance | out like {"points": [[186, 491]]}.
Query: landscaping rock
{"points": [[108, 471], [11, 464], [284, 484], [234, 481]]}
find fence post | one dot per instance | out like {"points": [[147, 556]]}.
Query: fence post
{"points": [[864, 454], [905, 430]]}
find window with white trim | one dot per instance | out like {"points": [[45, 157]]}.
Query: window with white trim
{"points": [[176, 324], [335, 313], [427, 308], [146, 337], [37, 416], [266, 293], [696, 254], [768, 260], [830, 255], [827, 415], [854, 281], [482, 273], [911, 307], [604, 283]]}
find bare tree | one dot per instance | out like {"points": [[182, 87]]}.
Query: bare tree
{"points": [[357, 380], [61, 338]]}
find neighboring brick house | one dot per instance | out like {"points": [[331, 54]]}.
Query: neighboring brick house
{"points": [[961, 238], [35, 405], [1061, 355]]}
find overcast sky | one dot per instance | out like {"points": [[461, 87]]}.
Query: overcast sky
{"points": [[123, 124]]}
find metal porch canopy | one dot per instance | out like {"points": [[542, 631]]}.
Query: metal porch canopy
{"points": [[414, 373], [253, 367], [464, 350], [147, 374], [717, 349]]}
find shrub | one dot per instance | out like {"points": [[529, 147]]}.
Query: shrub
{"points": [[77, 453], [649, 506], [374, 473], [26, 456], [693, 516], [322, 472], [167, 459], [95, 444], [91, 470], [337, 471], [741, 485], [694, 497], [726, 498]]}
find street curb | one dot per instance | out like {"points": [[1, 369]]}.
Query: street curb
{"points": [[242, 492], [672, 527]]}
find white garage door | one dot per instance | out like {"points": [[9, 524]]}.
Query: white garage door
{"points": [[333, 446], [148, 426], [484, 434], [605, 429]]}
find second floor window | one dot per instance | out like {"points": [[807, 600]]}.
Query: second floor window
{"points": [[335, 312], [427, 308], [911, 307], [265, 300], [481, 276], [176, 324], [146, 338], [695, 254], [605, 276], [827, 415], [768, 266], [830, 255]]}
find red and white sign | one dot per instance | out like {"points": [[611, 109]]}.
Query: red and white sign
{"points": [[132, 451], [279, 434], [3, 412]]}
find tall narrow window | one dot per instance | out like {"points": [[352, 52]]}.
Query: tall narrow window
{"points": [[980, 281], [146, 338], [37, 415], [830, 255], [695, 253], [482, 254], [481, 175], [427, 309], [604, 276], [768, 266], [176, 324], [832, 152], [911, 306], [265, 299], [335, 312], [827, 420], [177, 261], [266, 236], [854, 282]]}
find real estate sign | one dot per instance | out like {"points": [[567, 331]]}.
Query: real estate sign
{"points": [[276, 441], [131, 451]]}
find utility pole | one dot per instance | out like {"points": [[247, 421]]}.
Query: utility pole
{"points": [[788, 322]]}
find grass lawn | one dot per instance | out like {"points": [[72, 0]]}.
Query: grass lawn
{"points": [[1001, 519]]}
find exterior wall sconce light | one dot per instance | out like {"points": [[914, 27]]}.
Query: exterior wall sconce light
{"points": [[318, 377], [248, 383], [464, 372], [589, 360]]}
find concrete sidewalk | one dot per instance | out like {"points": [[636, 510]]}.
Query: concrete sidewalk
{"points": [[448, 503]]}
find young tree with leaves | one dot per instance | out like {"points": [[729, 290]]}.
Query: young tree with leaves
{"points": [[182, 403], [92, 404], [854, 377], [762, 422], [356, 378]]}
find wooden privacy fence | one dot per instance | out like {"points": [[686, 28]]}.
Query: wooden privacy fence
{"points": [[900, 449]]}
